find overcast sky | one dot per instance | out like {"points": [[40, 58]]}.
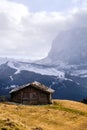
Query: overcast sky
{"points": [[28, 27]]}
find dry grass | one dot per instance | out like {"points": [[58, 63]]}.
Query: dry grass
{"points": [[62, 115]]}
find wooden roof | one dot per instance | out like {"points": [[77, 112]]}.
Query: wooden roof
{"points": [[34, 84]]}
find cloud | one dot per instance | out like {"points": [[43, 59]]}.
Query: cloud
{"points": [[14, 10], [27, 34], [85, 3], [76, 1], [79, 1]]}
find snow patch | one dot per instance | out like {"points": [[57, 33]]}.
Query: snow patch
{"points": [[83, 76], [80, 73], [11, 78], [37, 69], [68, 79], [12, 86]]}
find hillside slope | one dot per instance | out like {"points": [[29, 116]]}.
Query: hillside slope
{"points": [[66, 86], [62, 115]]}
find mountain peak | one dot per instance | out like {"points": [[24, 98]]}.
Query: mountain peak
{"points": [[70, 47]]}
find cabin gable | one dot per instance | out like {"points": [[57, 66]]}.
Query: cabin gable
{"points": [[31, 95]]}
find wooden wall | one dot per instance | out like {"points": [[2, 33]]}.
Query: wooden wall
{"points": [[31, 95]]}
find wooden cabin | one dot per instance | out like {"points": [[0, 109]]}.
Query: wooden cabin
{"points": [[34, 93]]}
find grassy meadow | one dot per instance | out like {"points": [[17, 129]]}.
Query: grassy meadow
{"points": [[61, 115]]}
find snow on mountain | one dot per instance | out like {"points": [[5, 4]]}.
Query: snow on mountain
{"points": [[3, 60], [11, 78], [19, 66], [69, 52], [64, 69], [81, 73]]}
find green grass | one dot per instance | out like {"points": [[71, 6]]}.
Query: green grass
{"points": [[70, 110]]}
